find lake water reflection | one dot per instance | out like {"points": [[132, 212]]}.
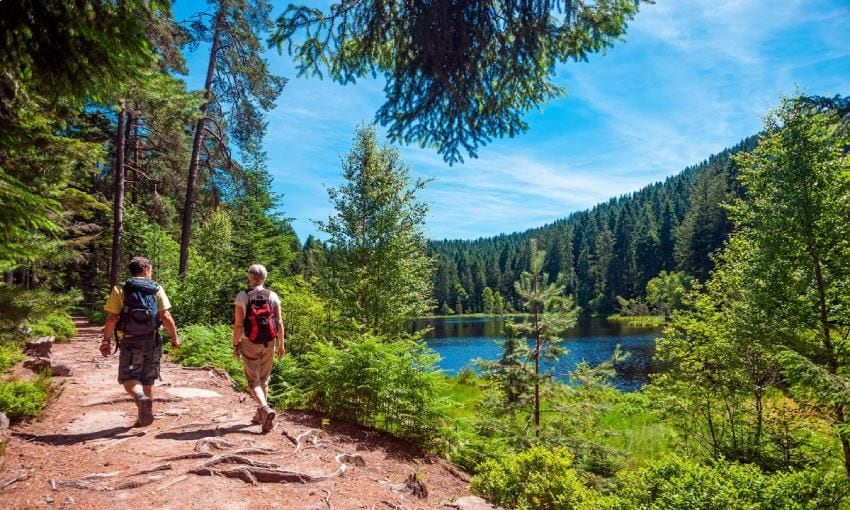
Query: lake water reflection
{"points": [[460, 340]]}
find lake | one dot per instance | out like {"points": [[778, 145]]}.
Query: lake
{"points": [[460, 340]]}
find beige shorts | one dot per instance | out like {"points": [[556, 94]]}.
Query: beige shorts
{"points": [[257, 360]]}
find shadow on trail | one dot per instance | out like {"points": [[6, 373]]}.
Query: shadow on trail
{"points": [[69, 439], [193, 435]]}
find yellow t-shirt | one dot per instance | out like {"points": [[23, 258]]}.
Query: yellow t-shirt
{"points": [[116, 300]]}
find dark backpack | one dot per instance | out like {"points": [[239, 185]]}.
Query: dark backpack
{"points": [[260, 325], [139, 315]]}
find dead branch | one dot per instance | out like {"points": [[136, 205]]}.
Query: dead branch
{"points": [[164, 467], [327, 498], [314, 436], [107, 402], [196, 455], [92, 476], [289, 436], [18, 478], [173, 482], [119, 441], [203, 445]]}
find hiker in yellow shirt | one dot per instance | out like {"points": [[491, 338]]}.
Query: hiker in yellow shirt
{"points": [[137, 309]]}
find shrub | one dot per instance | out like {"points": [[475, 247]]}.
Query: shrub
{"points": [[210, 346], [467, 375], [392, 386], [10, 355], [22, 400], [58, 324], [539, 479], [288, 385], [674, 483]]}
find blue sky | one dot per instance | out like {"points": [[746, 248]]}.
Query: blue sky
{"points": [[691, 78]]}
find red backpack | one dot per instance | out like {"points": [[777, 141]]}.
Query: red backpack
{"points": [[260, 324]]}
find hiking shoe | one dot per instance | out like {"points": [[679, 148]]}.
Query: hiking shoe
{"points": [[145, 405], [258, 417], [268, 415]]}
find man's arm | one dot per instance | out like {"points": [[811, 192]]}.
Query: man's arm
{"points": [[168, 322], [238, 326], [281, 332], [108, 331]]}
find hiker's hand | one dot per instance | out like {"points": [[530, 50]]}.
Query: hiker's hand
{"points": [[105, 348], [236, 351], [281, 349], [175, 343]]}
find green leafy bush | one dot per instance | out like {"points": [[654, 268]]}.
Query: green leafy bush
{"points": [[536, 479], [10, 355], [674, 483], [288, 385], [58, 324], [210, 346], [393, 386], [22, 400]]}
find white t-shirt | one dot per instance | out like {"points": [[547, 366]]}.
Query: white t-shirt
{"points": [[242, 301]]}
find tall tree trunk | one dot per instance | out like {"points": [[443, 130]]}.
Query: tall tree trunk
{"points": [[118, 202], [133, 144], [191, 182]]}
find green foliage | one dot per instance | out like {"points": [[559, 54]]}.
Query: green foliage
{"points": [[58, 324], [537, 479], [210, 346], [449, 91], [308, 318], [380, 273], [10, 354], [675, 483], [666, 292], [392, 386], [611, 250], [22, 400], [288, 385]]}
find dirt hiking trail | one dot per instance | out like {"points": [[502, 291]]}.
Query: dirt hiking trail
{"points": [[202, 451]]}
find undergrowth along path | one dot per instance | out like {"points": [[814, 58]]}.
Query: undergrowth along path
{"points": [[202, 451]]}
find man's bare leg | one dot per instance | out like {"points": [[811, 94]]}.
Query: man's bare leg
{"points": [[143, 395]]}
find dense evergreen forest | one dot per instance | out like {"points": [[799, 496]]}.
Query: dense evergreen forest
{"points": [[106, 154], [612, 250]]}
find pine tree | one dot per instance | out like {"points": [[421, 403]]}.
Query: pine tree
{"points": [[237, 90], [377, 245]]}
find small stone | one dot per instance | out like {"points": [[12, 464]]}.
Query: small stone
{"points": [[61, 369], [37, 364], [40, 347], [4, 422], [473, 503], [70, 501], [48, 500]]}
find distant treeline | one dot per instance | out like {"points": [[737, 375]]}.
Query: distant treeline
{"points": [[611, 250]]}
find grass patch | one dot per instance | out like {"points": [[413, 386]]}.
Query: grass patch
{"points": [[464, 393], [23, 400], [636, 431]]}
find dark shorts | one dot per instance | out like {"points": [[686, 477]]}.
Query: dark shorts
{"points": [[139, 359]]}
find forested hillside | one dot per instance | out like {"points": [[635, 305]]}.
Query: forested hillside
{"points": [[611, 250]]}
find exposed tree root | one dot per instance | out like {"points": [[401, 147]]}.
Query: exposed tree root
{"points": [[253, 472], [14, 480], [312, 435]]}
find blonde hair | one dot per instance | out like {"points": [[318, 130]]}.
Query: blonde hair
{"points": [[257, 273]]}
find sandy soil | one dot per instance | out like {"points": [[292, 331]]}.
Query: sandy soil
{"points": [[84, 453]]}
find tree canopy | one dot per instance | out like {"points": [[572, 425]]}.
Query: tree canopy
{"points": [[459, 73]]}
